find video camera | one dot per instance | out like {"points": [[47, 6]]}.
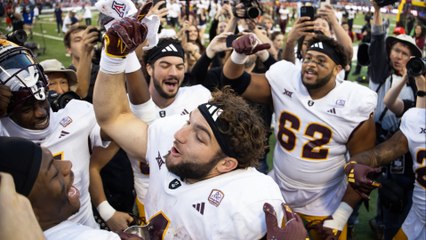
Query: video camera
{"points": [[58, 101], [252, 9], [416, 66], [18, 36]]}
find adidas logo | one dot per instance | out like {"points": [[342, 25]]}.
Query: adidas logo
{"points": [[214, 111], [333, 111], [317, 45], [170, 48], [184, 112], [199, 207], [63, 134]]}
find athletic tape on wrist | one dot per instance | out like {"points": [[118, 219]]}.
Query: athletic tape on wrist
{"points": [[340, 217], [145, 111], [105, 210], [238, 58], [111, 65], [132, 63]]}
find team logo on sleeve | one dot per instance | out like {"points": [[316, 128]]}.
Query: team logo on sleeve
{"points": [[216, 197], [340, 103], [119, 8], [65, 121]]}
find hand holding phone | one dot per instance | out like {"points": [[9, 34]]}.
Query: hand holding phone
{"points": [[230, 39], [307, 11]]}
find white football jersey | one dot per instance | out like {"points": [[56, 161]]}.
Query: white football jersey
{"points": [[67, 230], [228, 206], [187, 99], [413, 126], [73, 132], [311, 138]]}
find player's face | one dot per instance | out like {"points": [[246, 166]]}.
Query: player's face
{"points": [[53, 194], [166, 76], [195, 151], [317, 70], [399, 56], [58, 82], [32, 114]]}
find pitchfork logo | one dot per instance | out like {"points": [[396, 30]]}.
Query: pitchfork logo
{"points": [[119, 8]]}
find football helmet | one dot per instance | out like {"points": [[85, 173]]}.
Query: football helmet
{"points": [[21, 73]]}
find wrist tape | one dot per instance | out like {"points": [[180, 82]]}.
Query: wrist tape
{"points": [[111, 65], [238, 58], [145, 111], [105, 210], [132, 63], [340, 217]]}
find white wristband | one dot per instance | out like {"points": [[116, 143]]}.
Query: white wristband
{"points": [[111, 65], [340, 217], [238, 58], [105, 210], [132, 63], [145, 111]]}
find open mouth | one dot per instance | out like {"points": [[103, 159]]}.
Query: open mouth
{"points": [[42, 124], [310, 73]]}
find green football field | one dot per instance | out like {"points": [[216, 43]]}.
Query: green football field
{"points": [[50, 45]]}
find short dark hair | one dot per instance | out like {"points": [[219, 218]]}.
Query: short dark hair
{"points": [[243, 127], [67, 37]]}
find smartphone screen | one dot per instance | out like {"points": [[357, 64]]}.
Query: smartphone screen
{"points": [[230, 39], [307, 11]]}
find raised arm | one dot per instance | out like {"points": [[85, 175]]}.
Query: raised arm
{"points": [[254, 87], [110, 102], [327, 12], [391, 99]]}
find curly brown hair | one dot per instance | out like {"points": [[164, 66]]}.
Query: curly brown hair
{"points": [[243, 127]]}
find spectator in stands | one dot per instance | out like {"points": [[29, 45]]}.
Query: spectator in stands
{"points": [[419, 36]]}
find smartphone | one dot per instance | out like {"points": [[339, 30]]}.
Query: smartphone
{"points": [[230, 39], [307, 11]]}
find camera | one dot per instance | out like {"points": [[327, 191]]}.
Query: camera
{"points": [[58, 101], [18, 36], [382, 3], [98, 47], [99, 39], [416, 66], [252, 9]]}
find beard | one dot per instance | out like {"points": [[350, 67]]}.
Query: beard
{"points": [[192, 170], [321, 82], [161, 92]]}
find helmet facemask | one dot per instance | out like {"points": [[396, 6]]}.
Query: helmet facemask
{"points": [[21, 74]]}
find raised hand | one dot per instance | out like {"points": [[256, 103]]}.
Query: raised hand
{"points": [[126, 34], [293, 228], [249, 44]]}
